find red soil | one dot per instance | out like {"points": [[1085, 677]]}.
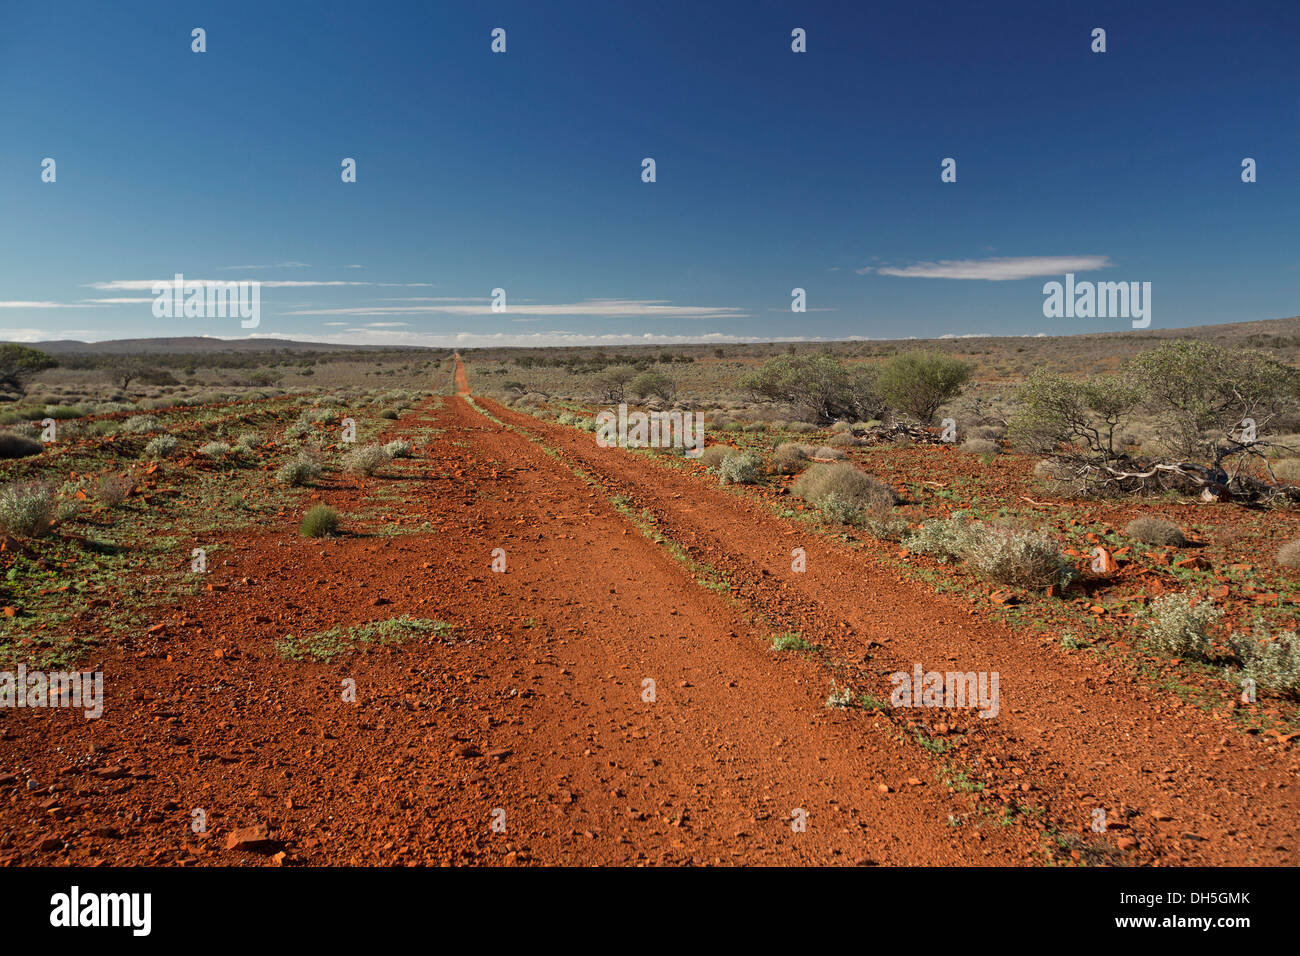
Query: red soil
{"points": [[534, 705]]}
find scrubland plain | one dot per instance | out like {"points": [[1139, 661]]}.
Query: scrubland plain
{"points": [[401, 606]]}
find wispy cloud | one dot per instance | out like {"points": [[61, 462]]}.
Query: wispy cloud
{"points": [[353, 335], [20, 304], [274, 265], [146, 285], [993, 270], [604, 308]]}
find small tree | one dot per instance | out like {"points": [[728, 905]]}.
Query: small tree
{"points": [[819, 384], [19, 364], [1207, 398], [612, 385], [655, 384], [918, 383], [1082, 416]]}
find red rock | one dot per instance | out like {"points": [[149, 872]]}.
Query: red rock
{"points": [[1003, 597], [1103, 562], [1196, 561], [255, 838]]}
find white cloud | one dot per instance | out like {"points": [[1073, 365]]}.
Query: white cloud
{"points": [[371, 336], [994, 270], [146, 285], [605, 308], [19, 304], [276, 265], [21, 335]]}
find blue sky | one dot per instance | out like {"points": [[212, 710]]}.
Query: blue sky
{"points": [[522, 170]]}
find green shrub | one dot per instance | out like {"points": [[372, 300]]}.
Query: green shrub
{"points": [[790, 458], [365, 460], [399, 448], [651, 384], [250, 441], [819, 385], [1180, 628], [389, 413], [18, 446], [715, 455], [742, 469], [323, 416], [140, 424], [844, 493], [319, 522], [918, 383], [945, 539], [1018, 557], [162, 446], [215, 449], [826, 451], [1151, 530], [1273, 664], [27, 510], [300, 471], [64, 411]]}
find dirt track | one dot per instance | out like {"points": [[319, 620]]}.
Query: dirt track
{"points": [[535, 704]]}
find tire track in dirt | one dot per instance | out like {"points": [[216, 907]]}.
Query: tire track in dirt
{"points": [[1074, 733], [531, 704], [737, 738]]}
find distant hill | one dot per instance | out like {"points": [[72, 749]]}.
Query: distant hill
{"points": [[997, 357], [192, 345]]}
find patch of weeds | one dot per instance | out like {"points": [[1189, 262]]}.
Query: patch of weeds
{"points": [[839, 699], [319, 522], [931, 744], [790, 641], [338, 640], [958, 780]]}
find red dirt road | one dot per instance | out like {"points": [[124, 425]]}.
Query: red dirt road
{"points": [[534, 713]]}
